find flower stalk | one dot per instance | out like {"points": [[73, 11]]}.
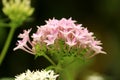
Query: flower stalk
{"points": [[49, 59], [7, 44]]}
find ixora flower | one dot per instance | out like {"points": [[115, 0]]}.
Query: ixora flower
{"points": [[37, 75], [60, 35]]}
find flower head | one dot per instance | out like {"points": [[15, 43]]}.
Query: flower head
{"points": [[17, 10], [37, 75], [72, 35]]}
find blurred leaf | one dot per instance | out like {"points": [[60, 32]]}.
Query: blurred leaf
{"points": [[7, 79], [3, 23]]}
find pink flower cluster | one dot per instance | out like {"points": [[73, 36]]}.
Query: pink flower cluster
{"points": [[66, 29]]}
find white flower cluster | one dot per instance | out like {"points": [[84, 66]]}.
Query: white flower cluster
{"points": [[37, 75]]}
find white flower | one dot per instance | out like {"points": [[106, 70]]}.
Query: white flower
{"points": [[37, 75], [95, 77]]}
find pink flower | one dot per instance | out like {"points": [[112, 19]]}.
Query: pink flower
{"points": [[67, 23], [77, 34], [22, 44], [71, 41], [37, 36], [95, 46], [52, 22], [25, 34], [73, 35], [65, 33], [50, 39]]}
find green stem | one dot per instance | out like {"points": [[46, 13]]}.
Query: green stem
{"points": [[50, 60], [69, 76], [7, 43]]}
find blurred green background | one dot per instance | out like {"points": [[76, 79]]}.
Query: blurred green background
{"points": [[100, 16]]}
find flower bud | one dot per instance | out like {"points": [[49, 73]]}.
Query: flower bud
{"points": [[17, 10]]}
